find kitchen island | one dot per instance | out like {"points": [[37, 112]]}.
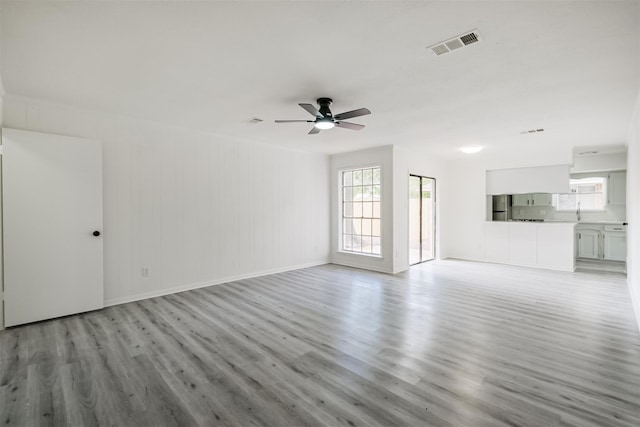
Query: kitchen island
{"points": [[547, 245]]}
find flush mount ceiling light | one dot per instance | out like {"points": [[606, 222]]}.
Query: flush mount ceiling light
{"points": [[324, 124], [471, 149]]}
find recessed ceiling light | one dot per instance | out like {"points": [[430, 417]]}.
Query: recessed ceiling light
{"points": [[471, 149]]}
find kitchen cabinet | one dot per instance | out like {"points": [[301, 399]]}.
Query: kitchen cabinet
{"points": [[617, 188], [520, 200], [541, 245], [496, 242], [533, 199], [588, 244], [522, 244], [615, 243], [554, 248]]}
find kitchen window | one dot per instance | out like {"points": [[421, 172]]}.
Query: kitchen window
{"points": [[361, 211], [588, 194]]}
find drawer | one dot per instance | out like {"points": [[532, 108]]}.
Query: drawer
{"points": [[615, 228]]}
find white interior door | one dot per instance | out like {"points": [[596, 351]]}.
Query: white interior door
{"points": [[52, 207]]}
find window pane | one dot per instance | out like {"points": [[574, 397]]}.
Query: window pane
{"points": [[357, 193], [357, 209], [375, 245], [347, 178], [367, 177], [367, 192], [375, 227], [361, 211], [367, 209], [366, 244], [355, 243], [347, 210], [376, 176], [366, 227], [589, 193], [346, 242], [357, 177], [376, 210], [376, 192], [347, 194]]}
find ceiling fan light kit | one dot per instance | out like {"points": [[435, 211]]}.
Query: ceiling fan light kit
{"points": [[325, 119]]}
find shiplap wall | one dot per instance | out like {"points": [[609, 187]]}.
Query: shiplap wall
{"points": [[192, 207]]}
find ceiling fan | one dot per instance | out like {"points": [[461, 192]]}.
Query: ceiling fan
{"points": [[325, 120]]}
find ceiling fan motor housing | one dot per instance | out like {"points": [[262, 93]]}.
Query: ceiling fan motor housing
{"points": [[324, 107]]}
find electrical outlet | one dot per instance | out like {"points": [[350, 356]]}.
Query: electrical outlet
{"points": [[145, 272]]}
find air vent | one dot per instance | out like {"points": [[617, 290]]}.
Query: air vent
{"points": [[455, 43], [525, 132], [253, 121]]}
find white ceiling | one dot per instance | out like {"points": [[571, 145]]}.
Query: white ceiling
{"points": [[570, 67]]}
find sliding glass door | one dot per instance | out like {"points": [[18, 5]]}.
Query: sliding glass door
{"points": [[422, 219]]}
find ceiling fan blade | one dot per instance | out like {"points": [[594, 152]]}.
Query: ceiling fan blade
{"points": [[350, 114], [312, 110], [314, 130], [293, 121], [347, 125]]}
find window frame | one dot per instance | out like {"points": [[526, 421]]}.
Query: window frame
{"points": [[341, 216], [605, 189]]}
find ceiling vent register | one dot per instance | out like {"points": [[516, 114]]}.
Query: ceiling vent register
{"points": [[456, 43]]}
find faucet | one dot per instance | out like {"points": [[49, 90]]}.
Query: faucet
{"points": [[578, 211]]}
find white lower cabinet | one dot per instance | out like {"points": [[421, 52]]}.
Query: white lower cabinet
{"points": [[615, 246], [588, 244], [555, 250], [542, 245], [496, 242], [522, 244]]}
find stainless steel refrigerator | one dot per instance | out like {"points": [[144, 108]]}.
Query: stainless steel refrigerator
{"points": [[501, 207]]}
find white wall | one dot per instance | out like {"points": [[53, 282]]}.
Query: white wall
{"points": [[2, 92], [633, 210], [194, 208]]}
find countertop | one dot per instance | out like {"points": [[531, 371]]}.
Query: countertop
{"points": [[560, 221]]}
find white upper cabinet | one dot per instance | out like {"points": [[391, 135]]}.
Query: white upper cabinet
{"points": [[521, 200], [541, 179], [617, 188], [541, 199], [535, 199]]}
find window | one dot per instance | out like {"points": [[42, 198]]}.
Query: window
{"points": [[590, 194], [361, 211]]}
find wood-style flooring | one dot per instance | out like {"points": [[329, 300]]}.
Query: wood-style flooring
{"points": [[449, 343]]}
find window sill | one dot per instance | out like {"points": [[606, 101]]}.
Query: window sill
{"points": [[360, 254]]}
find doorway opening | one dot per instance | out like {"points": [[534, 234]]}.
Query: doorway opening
{"points": [[422, 219]]}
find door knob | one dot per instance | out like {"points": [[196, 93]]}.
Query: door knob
{"points": [[96, 233]]}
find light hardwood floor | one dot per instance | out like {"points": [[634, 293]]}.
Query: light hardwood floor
{"points": [[447, 343]]}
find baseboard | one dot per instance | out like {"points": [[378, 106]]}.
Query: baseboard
{"points": [[360, 266], [190, 286]]}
